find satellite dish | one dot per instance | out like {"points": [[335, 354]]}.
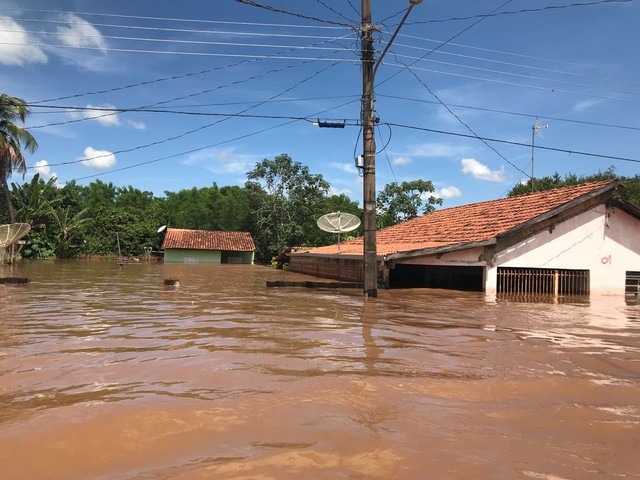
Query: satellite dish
{"points": [[12, 232], [162, 228], [338, 222]]}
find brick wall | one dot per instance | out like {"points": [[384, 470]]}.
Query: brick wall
{"points": [[347, 270]]}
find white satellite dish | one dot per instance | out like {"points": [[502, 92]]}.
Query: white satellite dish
{"points": [[12, 232], [338, 222], [162, 228]]}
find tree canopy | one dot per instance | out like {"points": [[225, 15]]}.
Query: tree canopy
{"points": [[13, 139]]}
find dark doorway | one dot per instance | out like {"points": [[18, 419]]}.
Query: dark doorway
{"points": [[431, 276]]}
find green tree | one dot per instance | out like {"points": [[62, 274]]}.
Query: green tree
{"points": [[34, 203], [68, 227], [630, 192], [400, 202], [283, 196], [13, 138]]}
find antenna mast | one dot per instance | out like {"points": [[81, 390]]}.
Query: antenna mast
{"points": [[535, 131]]}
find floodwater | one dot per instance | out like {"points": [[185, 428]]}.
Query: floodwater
{"points": [[107, 374]]}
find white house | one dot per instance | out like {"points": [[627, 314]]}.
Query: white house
{"points": [[569, 241]]}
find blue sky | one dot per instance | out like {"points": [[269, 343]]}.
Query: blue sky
{"points": [[229, 84]]}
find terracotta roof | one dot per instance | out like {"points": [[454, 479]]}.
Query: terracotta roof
{"points": [[208, 240], [475, 222]]}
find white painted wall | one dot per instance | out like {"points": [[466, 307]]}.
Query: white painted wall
{"points": [[604, 241]]}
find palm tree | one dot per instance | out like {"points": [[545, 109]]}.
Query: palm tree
{"points": [[13, 138]]}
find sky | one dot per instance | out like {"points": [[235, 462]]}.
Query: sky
{"points": [[164, 96]]}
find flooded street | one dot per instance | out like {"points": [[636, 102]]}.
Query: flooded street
{"points": [[107, 374]]}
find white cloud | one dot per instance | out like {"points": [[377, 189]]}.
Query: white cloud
{"points": [[80, 34], [344, 166], [221, 161], [436, 150], [137, 125], [42, 167], [16, 45], [98, 159], [478, 170], [583, 105], [103, 117], [401, 160], [340, 191], [448, 192]]}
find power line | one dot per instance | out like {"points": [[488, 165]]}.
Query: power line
{"points": [[524, 10], [299, 15], [165, 52], [188, 42], [172, 19], [464, 124], [293, 120], [519, 75], [189, 132], [177, 77], [190, 31], [520, 65], [510, 142], [353, 22], [219, 87], [503, 82], [520, 114]]}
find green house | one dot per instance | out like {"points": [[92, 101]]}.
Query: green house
{"points": [[201, 246]]}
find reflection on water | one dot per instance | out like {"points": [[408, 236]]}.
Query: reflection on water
{"points": [[107, 373]]}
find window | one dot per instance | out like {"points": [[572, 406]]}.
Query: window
{"points": [[543, 281]]}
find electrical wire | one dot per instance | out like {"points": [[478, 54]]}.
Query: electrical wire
{"points": [[511, 142], [518, 65], [171, 19], [384, 149], [463, 123], [191, 95], [524, 10], [299, 15], [520, 114], [351, 21], [503, 82], [203, 127], [215, 144]]}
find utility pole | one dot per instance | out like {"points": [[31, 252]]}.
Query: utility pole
{"points": [[369, 155], [369, 121]]}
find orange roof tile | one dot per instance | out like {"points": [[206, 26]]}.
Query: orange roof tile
{"points": [[208, 240], [468, 223]]}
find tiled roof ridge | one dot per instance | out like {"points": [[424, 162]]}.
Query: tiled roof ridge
{"points": [[475, 222], [540, 193]]}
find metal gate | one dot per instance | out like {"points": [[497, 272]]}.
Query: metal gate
{"points": [[543, 281], [632, 286]]}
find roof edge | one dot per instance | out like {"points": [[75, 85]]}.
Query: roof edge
{"points": [[443, 249], [562, 208]]}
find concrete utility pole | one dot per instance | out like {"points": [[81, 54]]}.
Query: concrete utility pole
{"points": [[369, 154], [369, 121]]}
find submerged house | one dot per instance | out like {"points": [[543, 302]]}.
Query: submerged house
{"points": [[569, 241], [201, 246]]}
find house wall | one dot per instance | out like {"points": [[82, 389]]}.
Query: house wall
{"points": [[347, 270], [602, 240], [174, 255]]}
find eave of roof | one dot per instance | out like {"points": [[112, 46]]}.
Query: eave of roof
{"points": [[472, 225], [183, 239]]}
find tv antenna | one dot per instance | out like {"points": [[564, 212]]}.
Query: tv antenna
{"points": [[536, 131], [338, 222], [12, 232]]}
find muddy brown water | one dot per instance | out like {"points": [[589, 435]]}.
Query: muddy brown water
{"points": [[105, 373]]}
